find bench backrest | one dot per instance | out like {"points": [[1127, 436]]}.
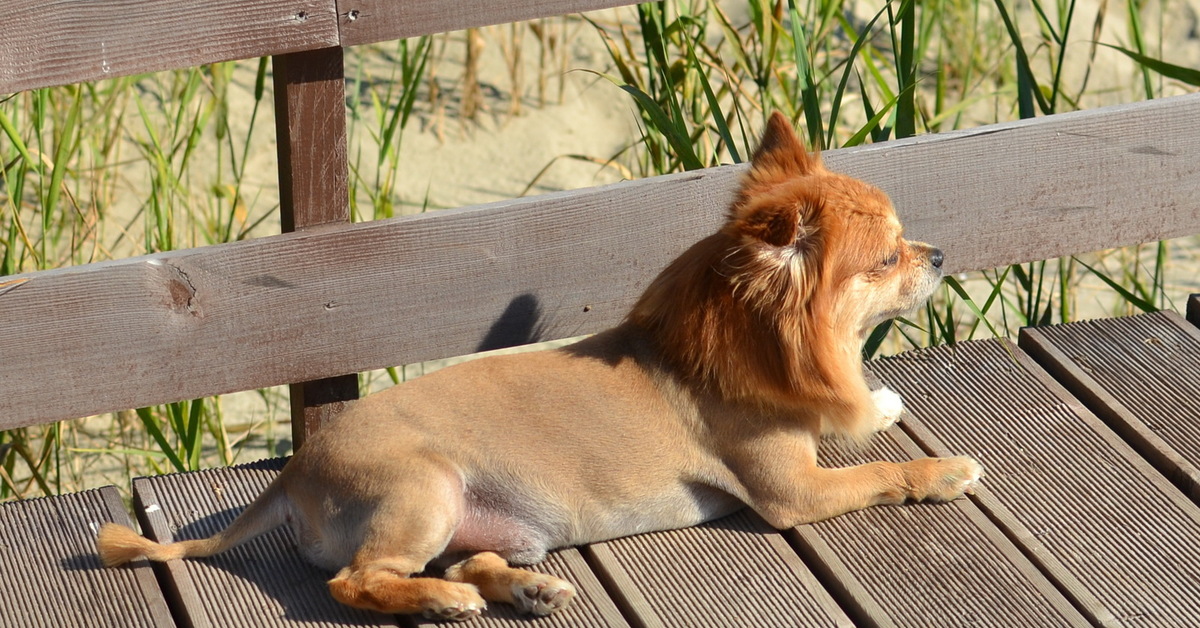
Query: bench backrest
{"points": [[335, 298]]}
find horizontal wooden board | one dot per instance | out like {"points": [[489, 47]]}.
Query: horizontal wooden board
{"points": [[338, 300], [366, 21], [60, 42], [1047, 187], [332, 301]]}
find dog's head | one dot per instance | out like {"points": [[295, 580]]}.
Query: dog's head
{"points": [[775, 306]]}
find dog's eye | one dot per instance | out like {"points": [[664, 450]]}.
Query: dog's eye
{"points": [[892, 259]]}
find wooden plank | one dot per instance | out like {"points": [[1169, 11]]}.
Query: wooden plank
{"points": [[1043, 188], [366, 21], [1139, 374], [959, 569], [310, 123], [50, 575], [307, 305], [60, 42], [1118, 538], [735, 571], [298, 307], [261, 583]]}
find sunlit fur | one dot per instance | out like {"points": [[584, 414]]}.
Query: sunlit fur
{"points": [[711, 396], [774, 307]]}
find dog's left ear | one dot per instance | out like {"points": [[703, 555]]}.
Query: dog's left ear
{"points": [[781, 151]]}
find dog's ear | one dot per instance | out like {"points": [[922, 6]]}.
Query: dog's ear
{"points": [[781, 151], [774, 224]]}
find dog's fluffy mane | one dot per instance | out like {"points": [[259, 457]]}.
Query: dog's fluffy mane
{"points": [[746, 313]]}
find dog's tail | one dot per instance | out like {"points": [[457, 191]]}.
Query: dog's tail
{"points": [[117, 544]]}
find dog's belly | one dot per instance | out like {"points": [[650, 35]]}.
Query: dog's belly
{"points": [[523, 532]]}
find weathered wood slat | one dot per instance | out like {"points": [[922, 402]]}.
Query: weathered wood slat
{"points": [[735, 571], [262, 583], [1116, 536], [50, 575], [1044, 188], [1139, 374], [926, 565], [60, 42], [310, 123], [308, 305], [298, 307], [366, 21]]}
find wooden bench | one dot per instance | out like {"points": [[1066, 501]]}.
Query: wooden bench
{"points": [[1089, 431]]}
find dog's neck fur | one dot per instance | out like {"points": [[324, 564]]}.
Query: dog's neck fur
{"points": [[728, 327]]}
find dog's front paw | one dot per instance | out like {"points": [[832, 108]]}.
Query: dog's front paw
{"points": [[541, 595], [888, 407], [947, 479]]}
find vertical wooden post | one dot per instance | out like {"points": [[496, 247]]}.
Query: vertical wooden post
{"points": [[310, 126]]}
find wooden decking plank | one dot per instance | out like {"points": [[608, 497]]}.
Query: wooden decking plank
{"points": [[1117, 537], [264, 582], [735, 571], [1139, 375], [925, 565], [50, 575], [267, 583]]}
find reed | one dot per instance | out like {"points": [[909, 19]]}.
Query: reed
{"points": [[166, 161]]}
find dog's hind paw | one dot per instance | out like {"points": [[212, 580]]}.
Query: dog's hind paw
{"points": [[468, 606], [888, 406], [542, 595]]}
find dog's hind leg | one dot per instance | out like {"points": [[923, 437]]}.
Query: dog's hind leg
{"points": [[401, 536], [383, 585], [529, 591]]}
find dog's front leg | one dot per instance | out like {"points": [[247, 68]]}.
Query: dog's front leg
{"points": [[805, 492]]}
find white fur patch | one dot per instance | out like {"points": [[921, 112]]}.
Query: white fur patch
{"points": [[889, 406]]}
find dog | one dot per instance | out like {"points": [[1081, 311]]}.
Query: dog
{"points": [[710, 396]]}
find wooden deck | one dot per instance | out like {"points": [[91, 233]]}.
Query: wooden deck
{"points": [[1090, 434]]}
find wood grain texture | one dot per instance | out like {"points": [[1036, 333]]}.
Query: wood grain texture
{"points": [[367, 21], [58, 42], [299, 307], [1044, 188], [310, 124], [309, 305]]}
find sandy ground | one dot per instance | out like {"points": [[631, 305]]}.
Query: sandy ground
{"points": [[447, 162]]}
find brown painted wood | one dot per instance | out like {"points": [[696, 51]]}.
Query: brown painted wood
{"points": [[1138, 374], [299, 307], [303, 306], [60, 42], [50, 575], [310, 125], [942, 550], [367, 21], [1085, 507]]}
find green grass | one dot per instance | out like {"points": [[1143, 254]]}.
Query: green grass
{"points": [[166, 161]]}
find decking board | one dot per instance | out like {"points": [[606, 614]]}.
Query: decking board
{"points": [[735, 571], [1139, 374], [50, 575], [926, 565], [1116, 536], [264, 582]]}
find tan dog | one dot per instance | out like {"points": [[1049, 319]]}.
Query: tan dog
{"points": [[711, 395]]}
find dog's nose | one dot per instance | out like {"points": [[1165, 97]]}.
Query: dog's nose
{"points": [[936, 257]]}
